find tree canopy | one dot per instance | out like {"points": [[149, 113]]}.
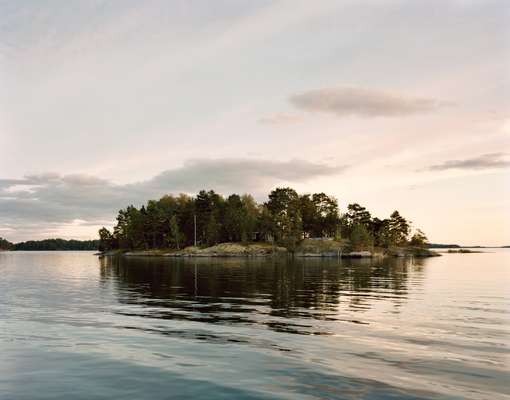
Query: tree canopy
{"points": [[285, 218]]}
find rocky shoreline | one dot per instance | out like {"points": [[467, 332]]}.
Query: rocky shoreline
{"points": [[269, 250]]}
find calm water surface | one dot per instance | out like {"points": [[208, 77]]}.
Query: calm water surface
{"points": [[75, 327]]}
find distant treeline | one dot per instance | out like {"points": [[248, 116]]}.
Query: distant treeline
{"points": [[50, 244], [443, 246], [285, 218]]}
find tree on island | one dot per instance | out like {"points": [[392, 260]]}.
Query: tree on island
{"points": [[319, 214], [284, 208], [399, 229], [419, 239], [175, 237], [360, 238], [106, 240]]}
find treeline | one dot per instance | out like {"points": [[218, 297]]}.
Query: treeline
{"points": [[55, 244], [285, 218], [443, 246]]}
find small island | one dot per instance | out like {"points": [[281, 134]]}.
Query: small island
{"points": [[307, 225]]}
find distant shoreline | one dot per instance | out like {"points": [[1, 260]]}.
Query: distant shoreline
{"points": [[53, 244], [457, 246]]}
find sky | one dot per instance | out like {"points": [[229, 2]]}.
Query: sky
{"points": [[391, 104]]}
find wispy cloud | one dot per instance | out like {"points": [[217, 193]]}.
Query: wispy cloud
{"points": [[346, 101], [280, 119], [57, 201], [484, 161]]}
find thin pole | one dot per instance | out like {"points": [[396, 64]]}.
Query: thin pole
{"points": [[195, 224]]}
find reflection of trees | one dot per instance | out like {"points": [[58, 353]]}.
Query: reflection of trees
{"points": [[241, 290]]}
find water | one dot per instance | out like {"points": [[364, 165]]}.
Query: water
{"points": [[75, 327]]}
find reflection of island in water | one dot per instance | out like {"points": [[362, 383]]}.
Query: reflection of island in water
{"points": [[282, 294]]}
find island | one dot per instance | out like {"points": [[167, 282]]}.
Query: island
{"points": [[288, 223]]}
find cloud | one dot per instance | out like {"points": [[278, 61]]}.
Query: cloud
{"points": [[232, 174], [55, 201], [346, 101], [484, 161], [280, 119]]}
